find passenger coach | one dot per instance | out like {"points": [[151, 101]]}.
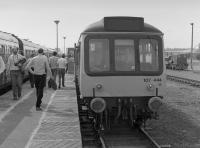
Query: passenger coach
{"points": [[9, 41], [120, 70]]}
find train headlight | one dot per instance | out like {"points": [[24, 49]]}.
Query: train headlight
{"points": [[150, 87], [98, 105], [154, 103]]}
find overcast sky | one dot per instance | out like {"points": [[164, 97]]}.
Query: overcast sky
{"points": [[34, 19]]}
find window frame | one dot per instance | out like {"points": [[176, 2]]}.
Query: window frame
{"points": [[107, 41], [149, 52], [111, 38]]}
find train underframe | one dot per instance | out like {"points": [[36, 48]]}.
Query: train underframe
{"points": [[113, 111]]}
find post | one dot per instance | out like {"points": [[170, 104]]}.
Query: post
{"points": [[64, 44], [57, 21], [191, 54]]}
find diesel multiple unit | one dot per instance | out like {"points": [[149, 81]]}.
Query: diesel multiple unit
{"points": [[119, 71]]}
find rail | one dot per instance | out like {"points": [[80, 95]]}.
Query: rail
{"points": [[109, 140], [194, 83], [103, 143], [154, 143]]}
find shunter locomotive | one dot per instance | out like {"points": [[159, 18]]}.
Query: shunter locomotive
{"points": [[119, 71]]}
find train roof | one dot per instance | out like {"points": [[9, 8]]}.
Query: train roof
{"points": [[121, 24], [50, 50], [11, 39], [30, 44], [7, 37]]}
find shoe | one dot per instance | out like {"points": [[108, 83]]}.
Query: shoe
{"points": [[63, 85], [38, 109], [58, 87]]}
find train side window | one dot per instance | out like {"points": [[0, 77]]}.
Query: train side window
{"points": [[5, 49], [1, 50], [149, 60], [10, 49], [99, 55], [124, 55]]}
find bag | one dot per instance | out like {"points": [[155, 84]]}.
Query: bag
{"points": [[52, 84], [21, 65], [22, 69]]}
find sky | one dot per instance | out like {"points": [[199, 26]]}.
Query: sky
{"points": [[34, 19]]}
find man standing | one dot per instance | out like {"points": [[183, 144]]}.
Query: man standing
{"points": [[14, 68], [2, 65], [53, 65], [41, 69], [62, 64]]}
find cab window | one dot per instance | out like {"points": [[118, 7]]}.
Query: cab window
{"points": [[99, 55], [148, 50], [124, 55]]}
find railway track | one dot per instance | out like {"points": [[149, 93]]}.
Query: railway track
{"points": [[190, 82], [126, 137], [120, 136]]}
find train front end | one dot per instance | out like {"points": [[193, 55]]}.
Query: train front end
{"points": [[120, 71]]}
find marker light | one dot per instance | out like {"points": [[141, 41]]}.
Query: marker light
{"points": [[154, 103], [98, 105]]}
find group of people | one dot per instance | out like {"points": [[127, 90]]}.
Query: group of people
{"points": [[58, 67], [39, 68]]}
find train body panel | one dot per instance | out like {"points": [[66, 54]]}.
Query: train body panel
{"points": [[122, 86], [7, 42]]}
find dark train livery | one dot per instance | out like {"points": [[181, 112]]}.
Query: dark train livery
{"points": [[7, 43], [119, 71]]}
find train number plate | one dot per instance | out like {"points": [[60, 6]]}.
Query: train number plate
{"points": [[146, 80]]}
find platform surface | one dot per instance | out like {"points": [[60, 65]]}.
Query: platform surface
{"points": [[59, 125]]}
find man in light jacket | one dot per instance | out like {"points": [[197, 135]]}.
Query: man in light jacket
{"points": [[14, 65], [41, 68], [54, 65], [62, 64]]}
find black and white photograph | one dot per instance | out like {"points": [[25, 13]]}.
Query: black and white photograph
{"points": [[99, 74]]}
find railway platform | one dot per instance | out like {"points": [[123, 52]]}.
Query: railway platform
{"points": [[57, 126]]}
